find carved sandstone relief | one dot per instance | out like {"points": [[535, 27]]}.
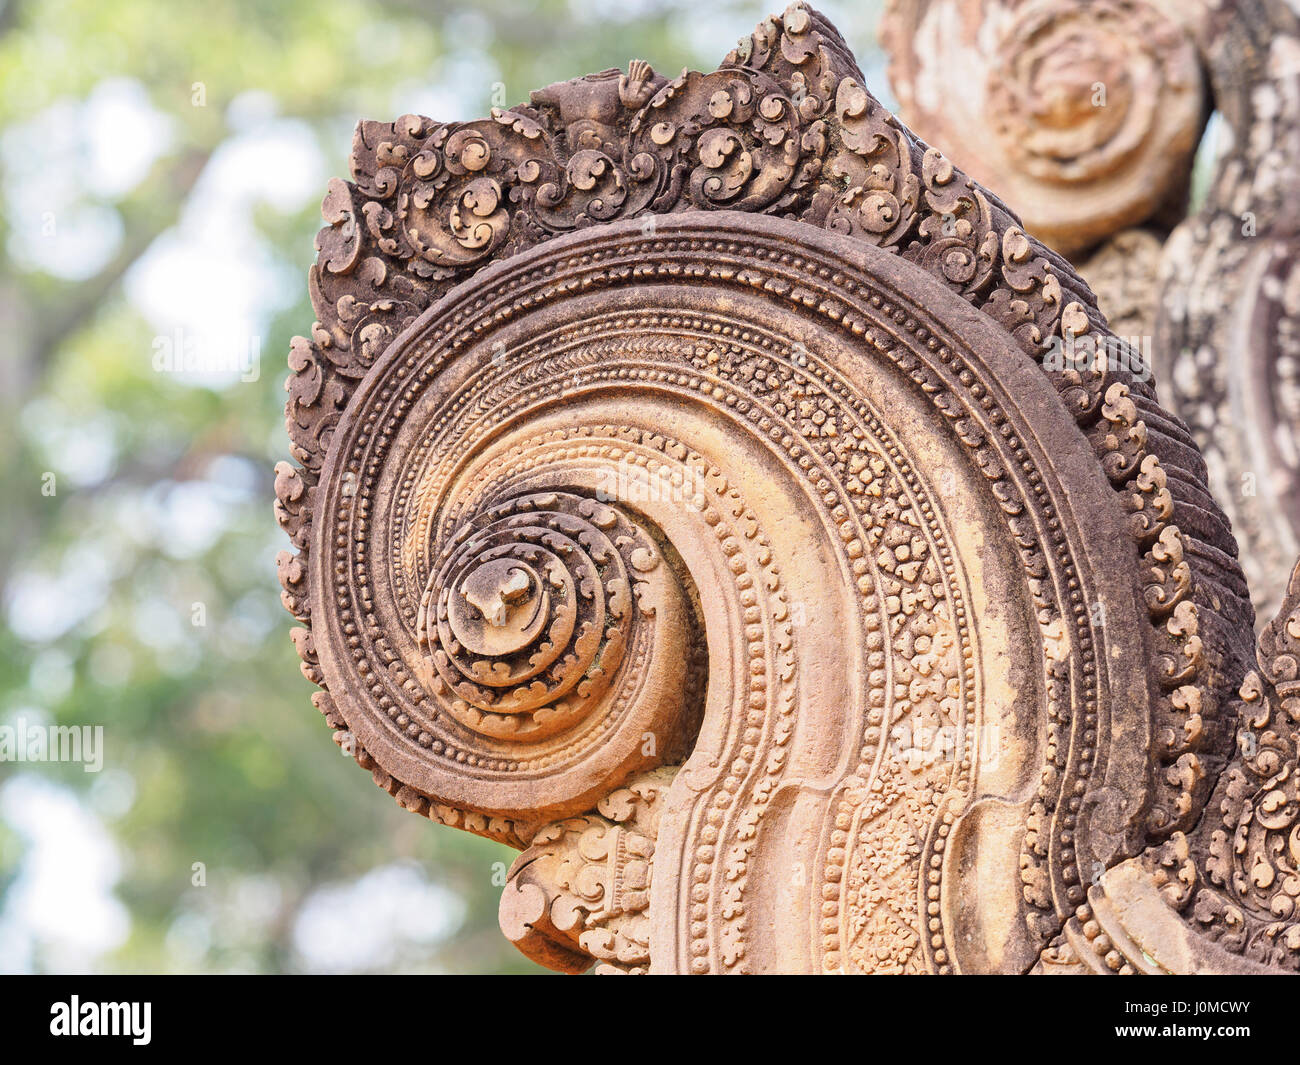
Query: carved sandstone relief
{"points": [[1221, 898], [1225, 336], [1084, 114], [685, 496]]}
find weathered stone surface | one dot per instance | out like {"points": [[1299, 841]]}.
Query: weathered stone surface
{"points": [[692, 494], [1110, 88], [1221, 898], [1225, 339]]}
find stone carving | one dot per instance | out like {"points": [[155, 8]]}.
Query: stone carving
{"points": [[582, 889], [1123, 272], [1085, 115], [1214, 302], [1225, 338], [1222, 898], [709, 490]]}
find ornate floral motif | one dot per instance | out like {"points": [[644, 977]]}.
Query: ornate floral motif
{"points": [[581, 892], [1247, 899], [1233, 880]]}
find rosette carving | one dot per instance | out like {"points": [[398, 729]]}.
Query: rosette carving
{"points": [[530, 614], [1083, 115]]}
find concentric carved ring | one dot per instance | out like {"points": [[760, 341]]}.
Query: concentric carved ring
{"points": [[1076, 92], [610, 457], [761, 576], [529, 618], [505, 635]]}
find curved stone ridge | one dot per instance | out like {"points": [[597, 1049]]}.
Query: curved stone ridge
{"points": [[1222, 898]]}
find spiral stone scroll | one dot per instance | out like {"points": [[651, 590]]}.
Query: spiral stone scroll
{"points": [[718, 528]]}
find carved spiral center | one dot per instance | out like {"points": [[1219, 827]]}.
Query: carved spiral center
{"points": [[1079, 91], [500, 608], [1065, 86], [532, 611]]}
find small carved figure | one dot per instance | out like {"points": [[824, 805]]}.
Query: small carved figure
{"points": [[591, 107]]}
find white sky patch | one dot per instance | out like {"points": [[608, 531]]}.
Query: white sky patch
{"points": [[51, 675], [460, 90], [188, 939], [112, 794], [596, 12], [157, 623], [60, 912], [44, 605], [211, 284], [250, 622], [125, 135], [251, 110], [373, 921], [80, 446], [235, 475], [60, 163], [186, 518]]}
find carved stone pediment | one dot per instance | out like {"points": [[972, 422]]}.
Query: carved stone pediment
{"points": [[708, 490]]}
